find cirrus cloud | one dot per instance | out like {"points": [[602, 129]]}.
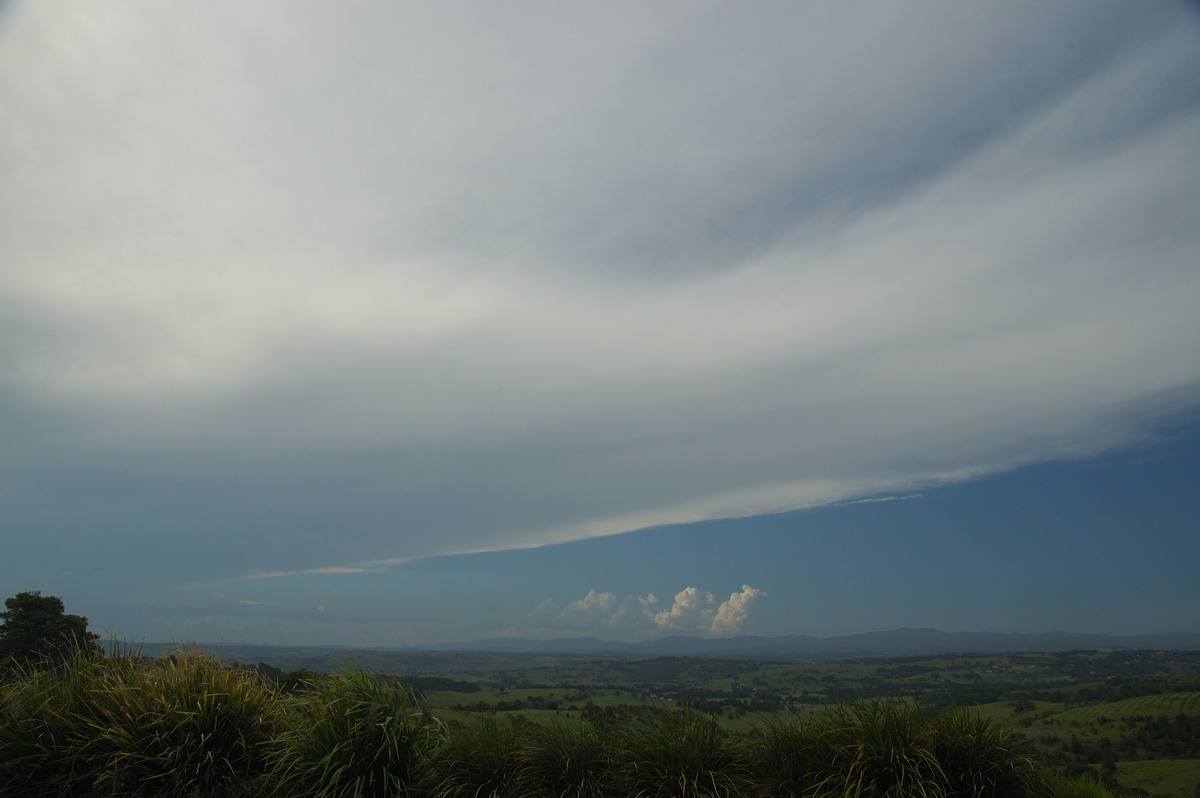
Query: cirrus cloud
{"points": [[286, 290]]}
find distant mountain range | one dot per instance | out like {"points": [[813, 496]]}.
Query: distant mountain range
{"points": [[893, 643], [508, 652]]}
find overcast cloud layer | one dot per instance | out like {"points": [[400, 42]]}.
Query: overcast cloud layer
{"points": [[289, 286]]}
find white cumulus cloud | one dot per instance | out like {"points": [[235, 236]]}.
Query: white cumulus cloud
{"points": [[692, 611], [733, 613]]}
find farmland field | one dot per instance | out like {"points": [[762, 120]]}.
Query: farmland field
{"points": [[1163, 704], [1104, 722], [1132, 716]]}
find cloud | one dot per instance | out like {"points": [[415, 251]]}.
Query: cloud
{"points": [[733, 613], [876, 499], [594, 609], [691, 612], [333, 291]]}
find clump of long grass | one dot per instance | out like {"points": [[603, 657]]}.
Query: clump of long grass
{"points": [[571, 759], [184, 724], [190, 725], [40, 738], [481, 758], [978, 758], [884, 748], [51, 718], [353, 734], [893, 748], [679, 753], [791, 757], [125, 725]]}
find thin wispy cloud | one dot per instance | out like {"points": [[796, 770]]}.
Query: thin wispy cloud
{"points": [[288, 290], [877, 499]]}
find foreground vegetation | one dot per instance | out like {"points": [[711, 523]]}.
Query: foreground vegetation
{"points": [[190, 725]]}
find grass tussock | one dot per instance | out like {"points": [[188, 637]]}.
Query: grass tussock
{"points": [[683, 754], [481, 758], [889, 748], [189, 725], [185, 725], [567, 760], [352, 734]]}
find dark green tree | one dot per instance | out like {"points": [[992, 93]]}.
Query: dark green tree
{"points": [[36, 630]]}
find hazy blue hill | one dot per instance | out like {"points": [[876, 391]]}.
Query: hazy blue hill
{"points": [[558, 645], [794, 648], [891, 643]]}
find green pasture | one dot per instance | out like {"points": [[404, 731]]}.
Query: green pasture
{"points": [[189, 725], [1163, 704], [193, 724], [1172, 777]]}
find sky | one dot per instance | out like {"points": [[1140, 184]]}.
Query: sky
{"points": [[388, 324]]}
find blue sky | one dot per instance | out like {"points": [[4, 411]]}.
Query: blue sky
{"points": [[381, 325]]}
